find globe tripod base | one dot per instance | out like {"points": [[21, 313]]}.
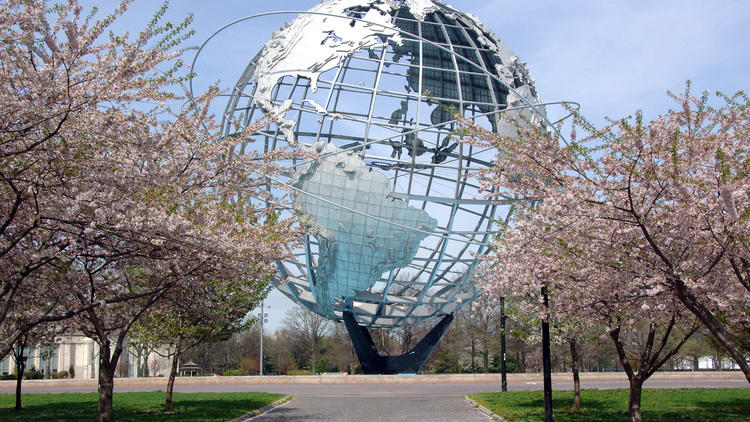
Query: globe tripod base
{"points": [[408, 363]]}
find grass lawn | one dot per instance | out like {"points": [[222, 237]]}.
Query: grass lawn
{"points": [[141, 407], [683, 404]]}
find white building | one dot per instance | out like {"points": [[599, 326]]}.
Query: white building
{"points": [[687, 363], [81, 354], [709, 362]]}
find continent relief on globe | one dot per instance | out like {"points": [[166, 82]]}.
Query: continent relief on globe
{"points": [[361, 229]]}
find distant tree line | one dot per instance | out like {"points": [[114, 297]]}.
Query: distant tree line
{"points": [[468, 346]]}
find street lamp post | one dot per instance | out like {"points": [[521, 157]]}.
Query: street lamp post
{"points": [[262, 316], [503, 369], [546, 361]]}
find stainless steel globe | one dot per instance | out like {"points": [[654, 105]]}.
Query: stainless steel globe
{"points": [[398, 221]]}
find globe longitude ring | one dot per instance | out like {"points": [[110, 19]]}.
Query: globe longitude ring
{"points": [[396, 215]]}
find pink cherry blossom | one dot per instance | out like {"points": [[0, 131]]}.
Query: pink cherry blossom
{"points": [[637, 223], [111, 200]]}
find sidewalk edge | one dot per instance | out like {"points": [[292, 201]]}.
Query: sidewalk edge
{"points": [[249, 415], [484, 410]]}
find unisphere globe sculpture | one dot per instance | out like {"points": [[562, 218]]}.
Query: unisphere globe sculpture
{"points": [[397, 218]]}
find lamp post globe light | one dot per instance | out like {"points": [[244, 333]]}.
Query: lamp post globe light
{"points": [[396, 216]]}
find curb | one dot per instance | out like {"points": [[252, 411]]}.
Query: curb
{"points": [[158, 382], [249, 415], [484, 410]]}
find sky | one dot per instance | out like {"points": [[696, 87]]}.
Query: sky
{"points": [[612, 57]]}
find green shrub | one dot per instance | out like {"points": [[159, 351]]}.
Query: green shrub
{"points": [[511, 364], [321, 365], [446, 363], [59, 375], [33, 374], [235, 372]]}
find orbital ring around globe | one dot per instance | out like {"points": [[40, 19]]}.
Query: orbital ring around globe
{"points": [[395, 239], [552, 125]]}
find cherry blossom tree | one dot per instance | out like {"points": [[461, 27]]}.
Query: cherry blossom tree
{"points": [[166, 222], [646, 324], [112, 199], [671, 195], [194, 314], [637, 224], [56, 79]]}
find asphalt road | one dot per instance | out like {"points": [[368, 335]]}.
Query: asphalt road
{"points": [[375, 409]]}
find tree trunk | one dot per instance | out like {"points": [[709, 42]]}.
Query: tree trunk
{"points": [[48, 365], [20, 368], [473, 356], [384, 346], [106, 387], [144, 366], [168, 404], [314, 344], [576, 379], [138, 363], [634, 401], [650, 360], [107, 364]]}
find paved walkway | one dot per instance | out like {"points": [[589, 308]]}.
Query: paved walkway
{"points": [[375, 409]]}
